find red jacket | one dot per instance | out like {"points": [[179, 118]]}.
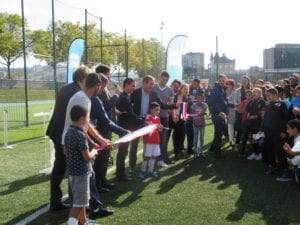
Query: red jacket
{"points": [[152, 138]]}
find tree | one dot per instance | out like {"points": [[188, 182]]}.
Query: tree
{"points": [[11, 39]]}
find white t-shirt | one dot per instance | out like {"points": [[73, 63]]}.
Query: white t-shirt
{"points": [[79, 98], [296, 159]]}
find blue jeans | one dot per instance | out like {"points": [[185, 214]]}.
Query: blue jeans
{"points": [[199, 134]]}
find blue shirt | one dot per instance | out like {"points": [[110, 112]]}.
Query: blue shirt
{"points": [[75, 143], [144, 104]]}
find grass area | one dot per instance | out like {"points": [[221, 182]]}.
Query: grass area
{"points": [[18, 95], [233, 190]]}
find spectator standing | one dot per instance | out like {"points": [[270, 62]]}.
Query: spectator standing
{"points": [[199, 107], [166, 94], [219, 114], [54, 131]]}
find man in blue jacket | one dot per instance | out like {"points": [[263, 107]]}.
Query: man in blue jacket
{"points": [[219, 110]]}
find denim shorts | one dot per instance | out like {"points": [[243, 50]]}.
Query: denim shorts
{"points": [[80, 187]]}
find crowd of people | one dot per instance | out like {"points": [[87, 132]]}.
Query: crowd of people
{"points": [[260, 118], [86, 114]]}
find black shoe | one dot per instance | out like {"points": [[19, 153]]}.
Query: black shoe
{"points": [[58, 207], [169, 162], [101, 212], [108, 184], [125, 178], [103, 190]]}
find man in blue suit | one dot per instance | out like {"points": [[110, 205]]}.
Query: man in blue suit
{"points": [[219, 110]]}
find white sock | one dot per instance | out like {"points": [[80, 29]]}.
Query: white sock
{"points": [[144, 165], [151, 165], [72, 221]]}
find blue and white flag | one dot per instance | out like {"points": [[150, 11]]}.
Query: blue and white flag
{"points": [[75, 53]]}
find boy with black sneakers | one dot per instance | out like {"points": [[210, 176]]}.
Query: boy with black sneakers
{"points": [[274, 127], [79, 165]]}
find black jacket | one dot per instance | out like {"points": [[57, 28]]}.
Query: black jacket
{"points": [[57, 121]]}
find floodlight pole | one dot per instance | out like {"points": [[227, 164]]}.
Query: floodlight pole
{"points": [[25, 69], [54, 49]]}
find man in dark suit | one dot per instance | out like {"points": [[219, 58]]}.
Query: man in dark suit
{"points": [[104, 125], [141, 99], [54, 131], [109, 103], [128, 120]]}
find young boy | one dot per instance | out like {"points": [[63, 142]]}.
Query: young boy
{"points": [[151, 142], [79, 167], [199, 107], [274, 127], [293, 129]]}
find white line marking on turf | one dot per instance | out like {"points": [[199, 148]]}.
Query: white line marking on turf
{"points": [[45, 209]]}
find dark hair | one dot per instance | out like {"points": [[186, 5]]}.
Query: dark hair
{"points": [[287, 91], [153, 105], [81, 73], [279, 89], [165, 74], [77, 112], [196, 80], [92, 80], [294, 123], [176, 81], [272, 91], [148, 78], [128, 81], [102, 69]]}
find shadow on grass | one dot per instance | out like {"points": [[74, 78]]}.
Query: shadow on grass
{"points": [[278, 203], [22, 183], [58, 217]]}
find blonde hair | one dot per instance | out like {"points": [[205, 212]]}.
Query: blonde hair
{"points": [[257, 89]]}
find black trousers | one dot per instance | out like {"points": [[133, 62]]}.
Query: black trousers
{"points": [[100, 166], [101, 163], [57, 175], [273, 151], [178, 136]]}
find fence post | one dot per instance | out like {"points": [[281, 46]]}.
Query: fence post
{"points": [[5, 131]]}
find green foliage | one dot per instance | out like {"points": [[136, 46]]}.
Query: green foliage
{"points": [[144, 56], [11, 39]]}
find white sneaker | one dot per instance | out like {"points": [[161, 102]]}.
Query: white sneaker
{"points": [[258, 157], [161, 163], [252, 156]]}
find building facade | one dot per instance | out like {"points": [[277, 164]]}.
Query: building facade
{"points": [[221, 64], [193, 64]]}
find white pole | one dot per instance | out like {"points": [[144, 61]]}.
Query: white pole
{"points": [[5, 128]]}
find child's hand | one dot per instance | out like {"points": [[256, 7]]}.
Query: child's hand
{"points": [[94, 153], [287, 148]]}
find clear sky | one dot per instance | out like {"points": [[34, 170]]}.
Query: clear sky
{"points": [[244, 27]]}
